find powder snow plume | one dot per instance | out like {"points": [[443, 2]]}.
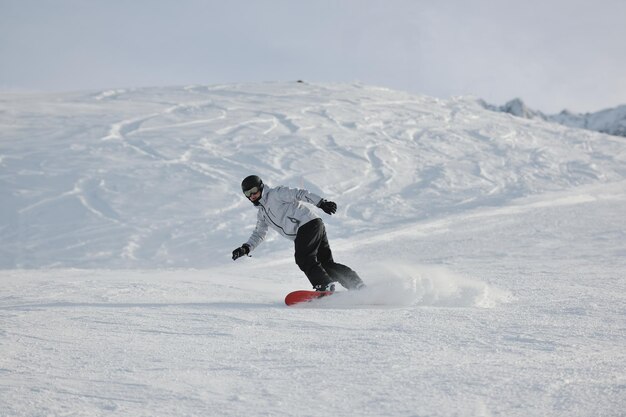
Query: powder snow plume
{"points": [[403, 284]]}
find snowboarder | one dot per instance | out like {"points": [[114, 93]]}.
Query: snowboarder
{"points": [[282, 209]]}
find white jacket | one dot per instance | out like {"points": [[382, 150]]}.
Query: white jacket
{"points": [[281, 209]]}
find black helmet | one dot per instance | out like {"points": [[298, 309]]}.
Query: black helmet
{"points": [[251, 182]]}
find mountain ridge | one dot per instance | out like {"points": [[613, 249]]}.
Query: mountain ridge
{"points": [[611, 121]]}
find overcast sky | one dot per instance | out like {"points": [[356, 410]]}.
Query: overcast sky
{"points": [[552, 54]]}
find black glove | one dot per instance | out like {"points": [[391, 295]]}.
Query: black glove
{"points": [[242, 251], [328, 206]]}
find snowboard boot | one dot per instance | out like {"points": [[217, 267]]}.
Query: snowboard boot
{"points": [[330, 287]]}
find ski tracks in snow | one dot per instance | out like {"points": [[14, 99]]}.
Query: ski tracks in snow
{"points": [[164, 165]]}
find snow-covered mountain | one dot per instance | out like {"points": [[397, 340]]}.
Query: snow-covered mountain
{"points": [[493, 247], [150, 177], [610, 121]]}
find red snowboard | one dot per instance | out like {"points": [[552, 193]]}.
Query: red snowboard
{"points": [[304, 296]]}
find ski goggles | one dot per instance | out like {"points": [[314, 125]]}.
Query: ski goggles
{"points": [[251, 191]]}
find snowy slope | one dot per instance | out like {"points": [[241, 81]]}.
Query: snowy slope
{"points": [[493, 248], [150, 178]]}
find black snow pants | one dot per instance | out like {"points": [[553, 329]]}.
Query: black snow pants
{"points": [[315, 259]]}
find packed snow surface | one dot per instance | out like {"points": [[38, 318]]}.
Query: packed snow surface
{"points": [[493, 247]]}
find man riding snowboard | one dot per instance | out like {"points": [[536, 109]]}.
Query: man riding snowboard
{"points": [[282, 209]]}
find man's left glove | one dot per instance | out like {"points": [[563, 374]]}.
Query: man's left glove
{"points": [[328, 206], [242, 251]]}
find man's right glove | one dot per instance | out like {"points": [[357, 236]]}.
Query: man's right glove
{"points": [[328, 206], [241, 251]]}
